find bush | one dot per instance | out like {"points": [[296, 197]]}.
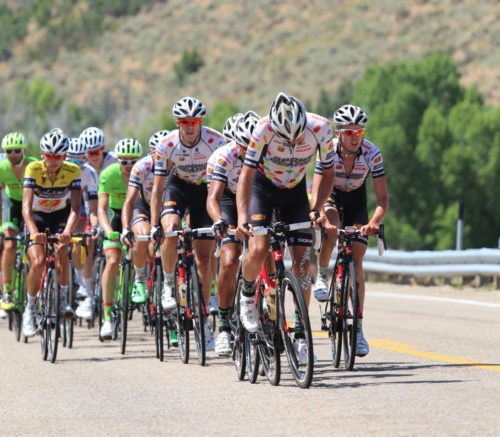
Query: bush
{"points": [[190, 62]]}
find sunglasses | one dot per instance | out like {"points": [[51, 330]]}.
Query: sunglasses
{"points": [[55, 156], [128, 161], [16, 151], [94, 152], [76, 161], [352, 132], [188, 122]]}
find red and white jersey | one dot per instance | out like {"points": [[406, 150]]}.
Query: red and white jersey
{"points": [[285, 165], [141, 177], [368, 160], [189, 163], [225, 166]]}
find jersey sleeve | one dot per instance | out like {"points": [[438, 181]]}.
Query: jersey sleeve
{"points": [[92, 183], [261, 136], [76, 183], [137, 176], [162, 155], [29, 176], [376, 164], [326, 149], [104, 185]]}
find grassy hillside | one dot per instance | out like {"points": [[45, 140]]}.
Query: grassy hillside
{"points": [[251, 49]]}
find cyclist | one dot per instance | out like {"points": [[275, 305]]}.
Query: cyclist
{"points": [[113, 183], [93, 139], [224, 168], [51, 199], [187, 149], [136, 213], [273, 176], [355, 158], [88, 221], [12, 170]]}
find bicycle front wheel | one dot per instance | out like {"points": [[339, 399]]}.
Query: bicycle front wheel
{"points": [[20, 300], [52, 315], [197, 314], [350, 316], [238, 335], [181, 321], [296, 330], [124, 298], [158, 314], [336, 320]]}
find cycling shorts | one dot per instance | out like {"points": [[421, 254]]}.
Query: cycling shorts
{"points": [[354, 208], [292, 204], [55, 221], [12, 215], [180, 195], [229, 214], [141, 212]]}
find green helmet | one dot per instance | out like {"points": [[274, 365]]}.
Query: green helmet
{"points": [[14, 140], [128, 147]]}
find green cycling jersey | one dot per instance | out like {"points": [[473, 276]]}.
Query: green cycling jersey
{"points": [[13, 185], [112, 186]]}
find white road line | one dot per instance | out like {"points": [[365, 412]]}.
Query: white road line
{"points": [[439, 299]]}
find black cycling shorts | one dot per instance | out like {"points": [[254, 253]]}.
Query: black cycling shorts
{"points": [[292, 204], [12, 215], [229, 214], [55, 221], [180, 195], [352, 207], [141, 212], [116, 220]]}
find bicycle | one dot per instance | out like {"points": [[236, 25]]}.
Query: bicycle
{"points": [[342, 310], [291, 316], [19, 281], [190, 311], [97, 270]]}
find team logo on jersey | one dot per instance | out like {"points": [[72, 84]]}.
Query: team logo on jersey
{"points": [[257, 217], [316, 129], [281, 149], [377, 159], [222, 162], [170, 203], [48, 204], [210, 140]]}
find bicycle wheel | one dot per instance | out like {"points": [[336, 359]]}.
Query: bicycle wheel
{"points": [[293, 308], [197, 315], [268, 345], [98, 298], [123, 304], [69, 324], [252, 356], [181, 321], [238, 335], [158, 314], [351, 313], [336, 320], [52, 315], [20, 300]]}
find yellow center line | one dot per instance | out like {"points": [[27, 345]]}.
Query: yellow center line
{"points": [[398, 347]]}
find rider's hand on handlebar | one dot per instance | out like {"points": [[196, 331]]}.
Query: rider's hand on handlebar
{"points": [[243, 229], [155, 233], [220, 228], [369, 229], [64, 237], [39, 237], [126, 237]]}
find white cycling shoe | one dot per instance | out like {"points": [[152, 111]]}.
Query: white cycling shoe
{"points": [[248, 313], [321, 290]]}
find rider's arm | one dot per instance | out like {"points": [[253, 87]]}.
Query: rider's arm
{"points": [[213, 198], [380, 185], [128, 206], [321, 189], [102, 213], [28, 196], [74, 214], [156, 198], [243, 192], [94, 221]]}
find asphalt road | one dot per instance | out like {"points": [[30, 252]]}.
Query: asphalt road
{"points": [[433, 369]]}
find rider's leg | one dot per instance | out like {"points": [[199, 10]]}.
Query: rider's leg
{"points": [[112, 253], [8, 261], [203, 252]]}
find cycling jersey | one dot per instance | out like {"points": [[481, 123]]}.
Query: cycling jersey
{"points": [[90, 182], [142, 176], [283, 164], [52, 196], [368, 160], [225, 166], [109, 158], [189, 163], [13, 186], [112, 186]]}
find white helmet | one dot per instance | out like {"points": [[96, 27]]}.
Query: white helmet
{"points": [[128, 147], [229, 130], [76, 147], [92, 138], [157, 138], [245, 128], [189, 107], [349, 114], [288, 117], [54, 141]]}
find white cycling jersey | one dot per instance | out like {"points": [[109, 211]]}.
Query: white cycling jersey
{"points": [[285, 165], [90, 183], [225, 166], [368, 160], [142, 177], [189, 163]]}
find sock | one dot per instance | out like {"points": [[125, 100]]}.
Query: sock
{"points": [[298, 323], [7, 287], [88, 285], [224, 315], [168, 279], [79, 276], [64, 294], [140, 274], [31, 303], [323, 272], [107, 311], [248, 289], [360, 323]]}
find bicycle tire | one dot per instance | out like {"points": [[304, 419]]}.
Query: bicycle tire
{"points": [[124, 304], [20, 304], [69, 324], [98, 298], [336, 323], [197, 313], [267, 347], [158, 315], [238, 335], [181, 322], [351, 325], [291, 299], [52, 321], [252, 357]]}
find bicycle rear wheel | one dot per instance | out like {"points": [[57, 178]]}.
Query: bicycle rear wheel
{"points": [[69, 324], [252, 356], [158, 314], [20, 300], [181, 321], [238, 334], [52, 315], [197, 314], [336, 320], [98, 298], [351, 314], [292, 310], [124, 303]]}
